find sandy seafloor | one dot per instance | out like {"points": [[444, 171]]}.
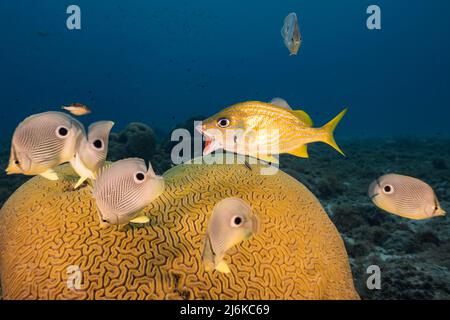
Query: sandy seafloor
{"points": [[414, 256]]}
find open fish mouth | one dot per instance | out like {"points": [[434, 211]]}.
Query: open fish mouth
{"points": [[209, 139]]}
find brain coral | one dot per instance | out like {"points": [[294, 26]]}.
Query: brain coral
{"points": [[46, 228]]}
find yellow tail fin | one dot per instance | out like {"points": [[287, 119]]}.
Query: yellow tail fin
{"points": [[329, 129]]}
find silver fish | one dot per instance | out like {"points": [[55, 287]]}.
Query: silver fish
{"points": [[123, 189], [43, 141], [231, 222], [291, 33], [405, 196], [92, 151]]}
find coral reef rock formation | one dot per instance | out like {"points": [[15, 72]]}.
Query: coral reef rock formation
{"points": [[53, 246], [135, 140]]}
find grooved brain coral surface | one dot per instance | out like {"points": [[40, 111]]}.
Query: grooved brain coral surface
{"points": [[46, 229]]}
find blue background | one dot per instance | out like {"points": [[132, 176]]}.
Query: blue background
{"points": [[161, 62]]}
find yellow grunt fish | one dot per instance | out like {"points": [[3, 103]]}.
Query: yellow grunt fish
{"points": [[261, 130]]}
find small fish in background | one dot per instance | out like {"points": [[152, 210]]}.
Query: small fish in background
{"points": [[123, 189], [231, 222], [43, 141], [77, 109], [92, 151], [405, 196], [260, 130], [291, 33]]}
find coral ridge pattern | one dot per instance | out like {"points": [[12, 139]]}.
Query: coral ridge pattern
{"points": [[47, 230]]}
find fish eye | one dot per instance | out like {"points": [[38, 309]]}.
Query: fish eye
{"points": [[62, 132], [236, 221], [139, 177], [388, 189], [98, 144], [223, 122], [17, 162]]}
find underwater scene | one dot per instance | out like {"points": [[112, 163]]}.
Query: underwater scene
{"points": [[215, 150]]}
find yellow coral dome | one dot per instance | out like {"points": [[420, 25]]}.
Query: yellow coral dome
{"points": [[46, 229]]}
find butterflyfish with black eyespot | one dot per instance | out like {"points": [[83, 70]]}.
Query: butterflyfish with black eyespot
{"points": [[405, 196], [123, 189], [232, 221], [43, 141], [92, 151]]}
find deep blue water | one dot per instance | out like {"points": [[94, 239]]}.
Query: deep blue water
{"points": [[161, 62]]}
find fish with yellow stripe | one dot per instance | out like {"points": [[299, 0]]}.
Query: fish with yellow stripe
{"points": [[262, 130]]}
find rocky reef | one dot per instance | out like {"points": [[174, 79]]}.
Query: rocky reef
{"points": [[414, 256]]}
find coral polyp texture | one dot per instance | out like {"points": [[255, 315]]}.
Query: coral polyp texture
{"points": [[48, 230]]}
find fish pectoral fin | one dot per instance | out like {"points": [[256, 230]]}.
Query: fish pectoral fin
{"points": [[301, 151], [80, 182], [222, 266], [140, 220], [208, 255], [209, 266], [303, 116], [50, 174], [267, 158]]}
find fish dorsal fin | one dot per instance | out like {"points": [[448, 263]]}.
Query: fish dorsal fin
{"points": [[208, 255], [150, 172], [303, 116], [100, 130], [222, 266], [93, 150], [280, 102], [301, 151]]}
